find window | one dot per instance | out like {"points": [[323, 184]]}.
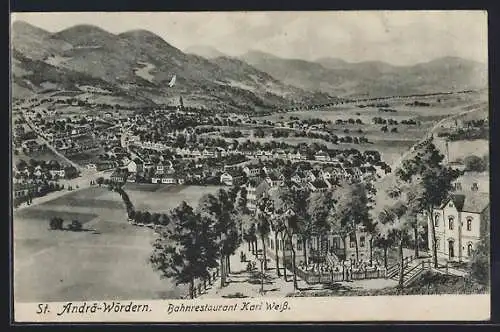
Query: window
{"points": [[450, 223], [469, 249], [272, 244], [352, 240], [361, 241], [436, 220], [469, 224], [299, 245], [437, 243]]}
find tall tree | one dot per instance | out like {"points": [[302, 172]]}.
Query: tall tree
{"points": [[426, 168], [319, 207], [285, 204], [351, 211], [393, 217], [221, 209], [186, 250], [262, 217]]}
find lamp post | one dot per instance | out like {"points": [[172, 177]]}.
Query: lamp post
{"points": [[261, 260]]}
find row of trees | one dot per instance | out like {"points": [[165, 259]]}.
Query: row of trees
{"points": [[422, 183]]}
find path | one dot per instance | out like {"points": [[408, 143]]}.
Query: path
{"points": [[249, 283]]}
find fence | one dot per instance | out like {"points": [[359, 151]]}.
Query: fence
{"points": [[200, 287], [335, 276]]}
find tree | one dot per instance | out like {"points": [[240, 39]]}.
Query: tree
{"points": [[221, 209], [262, 216], [479, 264], [285, 203], [351, 211], [475, 164], [384, 239], [76, 225], [426, 170], [155, 218], [319, 207], [392, 218], [56, 223], [146, 217], [188, 249], [138, 217], [242, 200]]}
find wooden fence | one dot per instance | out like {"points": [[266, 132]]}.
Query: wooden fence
{"points": [[335, 276]]}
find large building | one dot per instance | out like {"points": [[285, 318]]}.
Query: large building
{"points": [[459, 224]]}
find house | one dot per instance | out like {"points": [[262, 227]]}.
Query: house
{"points": [[132, 167], [208, 153], [251, 187], [169, 179], [195, 153], [252, 170], [318, 185], [60, 172], [24, 190], [226, 179], [274, 180], [321, 156], [459, 223], [119, 176]]}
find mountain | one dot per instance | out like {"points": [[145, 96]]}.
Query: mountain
{"points": [[337, 77], [139, 64], [205, 51]]}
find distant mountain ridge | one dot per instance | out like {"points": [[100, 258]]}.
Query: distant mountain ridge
{"points": [[338, 77], [205, 51], [140, 64]]}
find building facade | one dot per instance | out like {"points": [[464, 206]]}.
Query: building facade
{"points": [[459, 224]]}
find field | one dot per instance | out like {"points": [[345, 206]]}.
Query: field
{"points": [[161, 198], [391, 145], [107, 260]]}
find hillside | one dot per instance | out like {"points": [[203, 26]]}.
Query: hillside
{"points": [[205, 51], [140, 64], [340, 78]]}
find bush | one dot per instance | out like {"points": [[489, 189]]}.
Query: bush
{"points": [[76, 225], [475, 164], [56, 223], [480, 262]]}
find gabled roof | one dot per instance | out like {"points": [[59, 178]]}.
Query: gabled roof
{"points": [[474, 202]]}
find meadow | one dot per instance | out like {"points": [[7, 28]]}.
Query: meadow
{"points": [[108, 260], [162, 198]]}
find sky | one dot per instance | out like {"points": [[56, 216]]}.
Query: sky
{"points": [[396, 37]]}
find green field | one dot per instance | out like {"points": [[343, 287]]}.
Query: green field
{"points": [[108, 261], [162, 198]]}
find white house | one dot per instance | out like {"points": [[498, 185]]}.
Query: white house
{"points": [[226, 179], [321, 156], [459, 223], [132, 167]]}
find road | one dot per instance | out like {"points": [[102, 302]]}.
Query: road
{"points": [[50, 146]]}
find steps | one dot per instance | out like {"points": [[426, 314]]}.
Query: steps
{"points": [[410, 272]]}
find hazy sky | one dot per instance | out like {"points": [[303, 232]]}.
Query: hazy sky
{"points": [[397, 37]]}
